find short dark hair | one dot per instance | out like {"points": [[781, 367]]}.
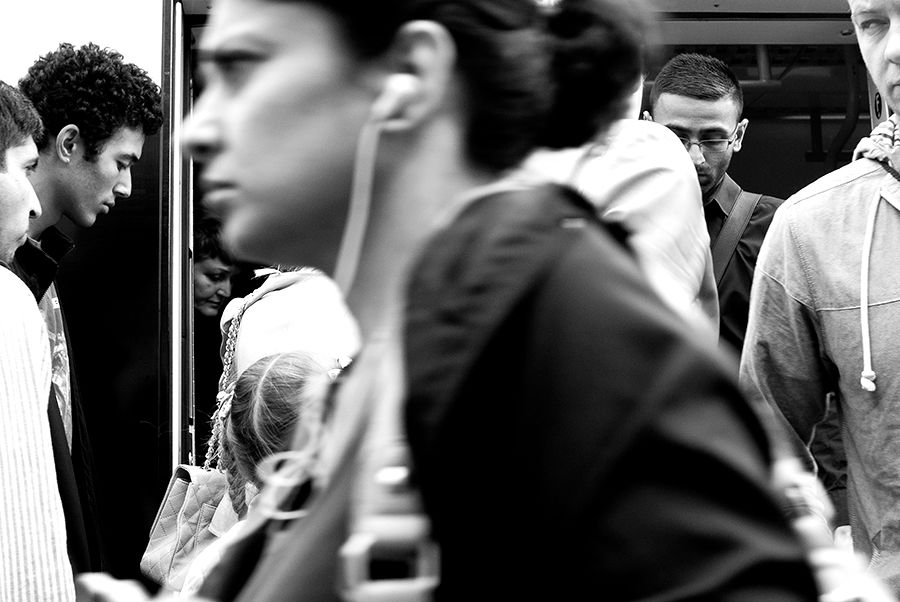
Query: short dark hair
{"points": [[18, 120], [207, 244], [94, 89], [697, 76]]}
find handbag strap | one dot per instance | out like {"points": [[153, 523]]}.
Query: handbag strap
{"points": [[732, 230], [226, 388]]}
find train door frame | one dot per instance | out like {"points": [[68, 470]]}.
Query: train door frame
{"points": [[176, 241]]}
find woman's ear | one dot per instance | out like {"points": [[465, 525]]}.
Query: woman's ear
{"points": [[422, 59], [67, 141]]}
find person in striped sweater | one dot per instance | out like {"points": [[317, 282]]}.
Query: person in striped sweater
{"points": [[34, 564]]}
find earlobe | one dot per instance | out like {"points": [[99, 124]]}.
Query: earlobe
{"points": [[67, 141]]}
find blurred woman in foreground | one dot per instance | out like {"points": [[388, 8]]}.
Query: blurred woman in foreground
{"points": [[569, 438]]}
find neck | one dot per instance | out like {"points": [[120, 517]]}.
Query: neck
{"points": [[409, 204]]}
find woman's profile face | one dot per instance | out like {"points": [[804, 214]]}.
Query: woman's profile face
{"points": [[275, 128], [212, 285]]}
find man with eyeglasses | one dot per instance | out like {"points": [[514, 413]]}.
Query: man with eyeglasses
{"points": [[699, 98]]}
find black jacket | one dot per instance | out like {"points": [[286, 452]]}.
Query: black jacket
{"points": [[570, 440], [37, 267]]}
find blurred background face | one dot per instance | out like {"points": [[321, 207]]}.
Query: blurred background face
{"points": [[18, 201], [877, 24], [697, 120], [212, 285], [275, 129]]}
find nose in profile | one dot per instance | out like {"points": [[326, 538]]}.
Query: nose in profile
{"points": [[200, 138], [122, 189], [31, 200], [224, 288], [892, 46]]}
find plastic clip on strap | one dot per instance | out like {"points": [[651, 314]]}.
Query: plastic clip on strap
{"points": [[401, 535], [389, 530]]}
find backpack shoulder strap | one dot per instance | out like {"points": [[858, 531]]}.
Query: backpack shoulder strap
{"points": [[732, 230]]}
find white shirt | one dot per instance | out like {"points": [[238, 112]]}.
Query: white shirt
{"points": [[641, 177], [34, 562]]}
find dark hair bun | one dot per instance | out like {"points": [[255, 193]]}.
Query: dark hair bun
{"points": [[598, 48]]}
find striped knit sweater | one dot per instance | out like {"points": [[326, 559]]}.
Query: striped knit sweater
{"points": [[33, 561]]}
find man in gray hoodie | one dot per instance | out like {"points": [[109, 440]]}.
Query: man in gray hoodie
{"points": [[825, 308]]}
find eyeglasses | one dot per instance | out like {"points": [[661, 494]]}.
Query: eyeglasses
{"points": [[712, 145]]}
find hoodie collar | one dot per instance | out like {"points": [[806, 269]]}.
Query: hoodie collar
{"points": [[883, 146]]}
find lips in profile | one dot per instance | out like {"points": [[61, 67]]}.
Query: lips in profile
{"points": [[218, 195]]}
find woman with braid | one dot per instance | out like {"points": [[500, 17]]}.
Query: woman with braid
{"points": [[277, 397], [282, 344]]}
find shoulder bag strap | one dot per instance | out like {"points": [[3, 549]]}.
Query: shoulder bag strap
{"points": [[732, 230], [226, 388]]}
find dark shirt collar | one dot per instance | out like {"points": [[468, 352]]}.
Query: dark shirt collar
{"points": [[37, 264], [55, 244], [725, 195]]}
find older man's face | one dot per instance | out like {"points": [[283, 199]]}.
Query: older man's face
{"points": [[877, 24]]}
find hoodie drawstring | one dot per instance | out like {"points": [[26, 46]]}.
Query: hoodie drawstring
{"points": [[880, 146], [867, 376]]}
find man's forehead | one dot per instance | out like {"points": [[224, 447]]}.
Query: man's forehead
{"points": [[126, 141], [678, 106]]}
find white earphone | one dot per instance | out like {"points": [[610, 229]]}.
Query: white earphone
{"points": [[398, 89]]}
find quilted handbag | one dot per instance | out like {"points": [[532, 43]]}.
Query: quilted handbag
{"points": [[181, 528]]}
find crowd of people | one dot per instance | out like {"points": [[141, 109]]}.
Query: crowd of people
{"points": [[543, 345]]}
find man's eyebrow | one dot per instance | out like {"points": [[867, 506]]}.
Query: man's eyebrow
{"points": [[207, 55], [245, 47], [717, 131]]}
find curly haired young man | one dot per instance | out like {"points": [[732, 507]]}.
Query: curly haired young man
{"points": [[97, 110]]}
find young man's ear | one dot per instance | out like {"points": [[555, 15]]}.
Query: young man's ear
{"points": [[67, 141], [739, 134]]}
